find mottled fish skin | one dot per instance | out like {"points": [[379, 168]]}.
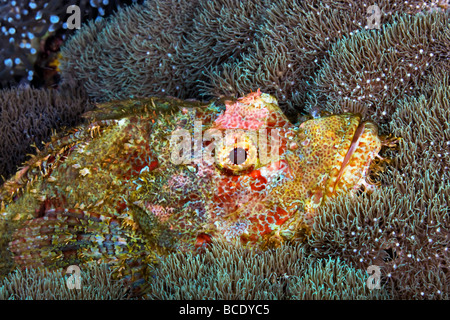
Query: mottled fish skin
{"points": [[112, 191]]}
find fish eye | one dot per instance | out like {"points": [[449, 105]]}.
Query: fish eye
{"points": [[238, 156]]}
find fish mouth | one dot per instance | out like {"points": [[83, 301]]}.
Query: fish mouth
{"points": [[364, 146]]}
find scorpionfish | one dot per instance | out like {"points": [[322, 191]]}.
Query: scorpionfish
{"points": [[155, 175]]}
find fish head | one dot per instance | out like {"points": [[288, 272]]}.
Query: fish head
{"points": [[272, 175]]}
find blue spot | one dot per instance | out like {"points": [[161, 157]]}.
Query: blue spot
{"points": [[54, 19], [38, 15], [12, 30], [101, 11], [105, 2], [30, 35], [64, 25], [8, 63], [33, 51], [17, 60], [32, 5], [30, 73], [11, 40]]}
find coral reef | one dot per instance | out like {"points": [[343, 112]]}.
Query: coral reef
{"points": [[96, 283], [28, 117]]}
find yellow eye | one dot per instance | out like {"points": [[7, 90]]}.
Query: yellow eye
{"points": [[238, 152]]}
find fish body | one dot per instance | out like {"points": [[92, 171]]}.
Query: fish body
{"points": [[156, 175]]}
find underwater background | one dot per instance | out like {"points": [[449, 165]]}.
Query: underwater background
{"points": [[314, 57]]}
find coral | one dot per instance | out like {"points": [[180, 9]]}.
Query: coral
{"points": [[199, 49], [222, 31], [227, 271], [314, 57], [404, 228], [376, 70], [168, 56], [136, 48], [96, 283], [407, 238], [28, 117], [293, 39], [25, 23]]}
